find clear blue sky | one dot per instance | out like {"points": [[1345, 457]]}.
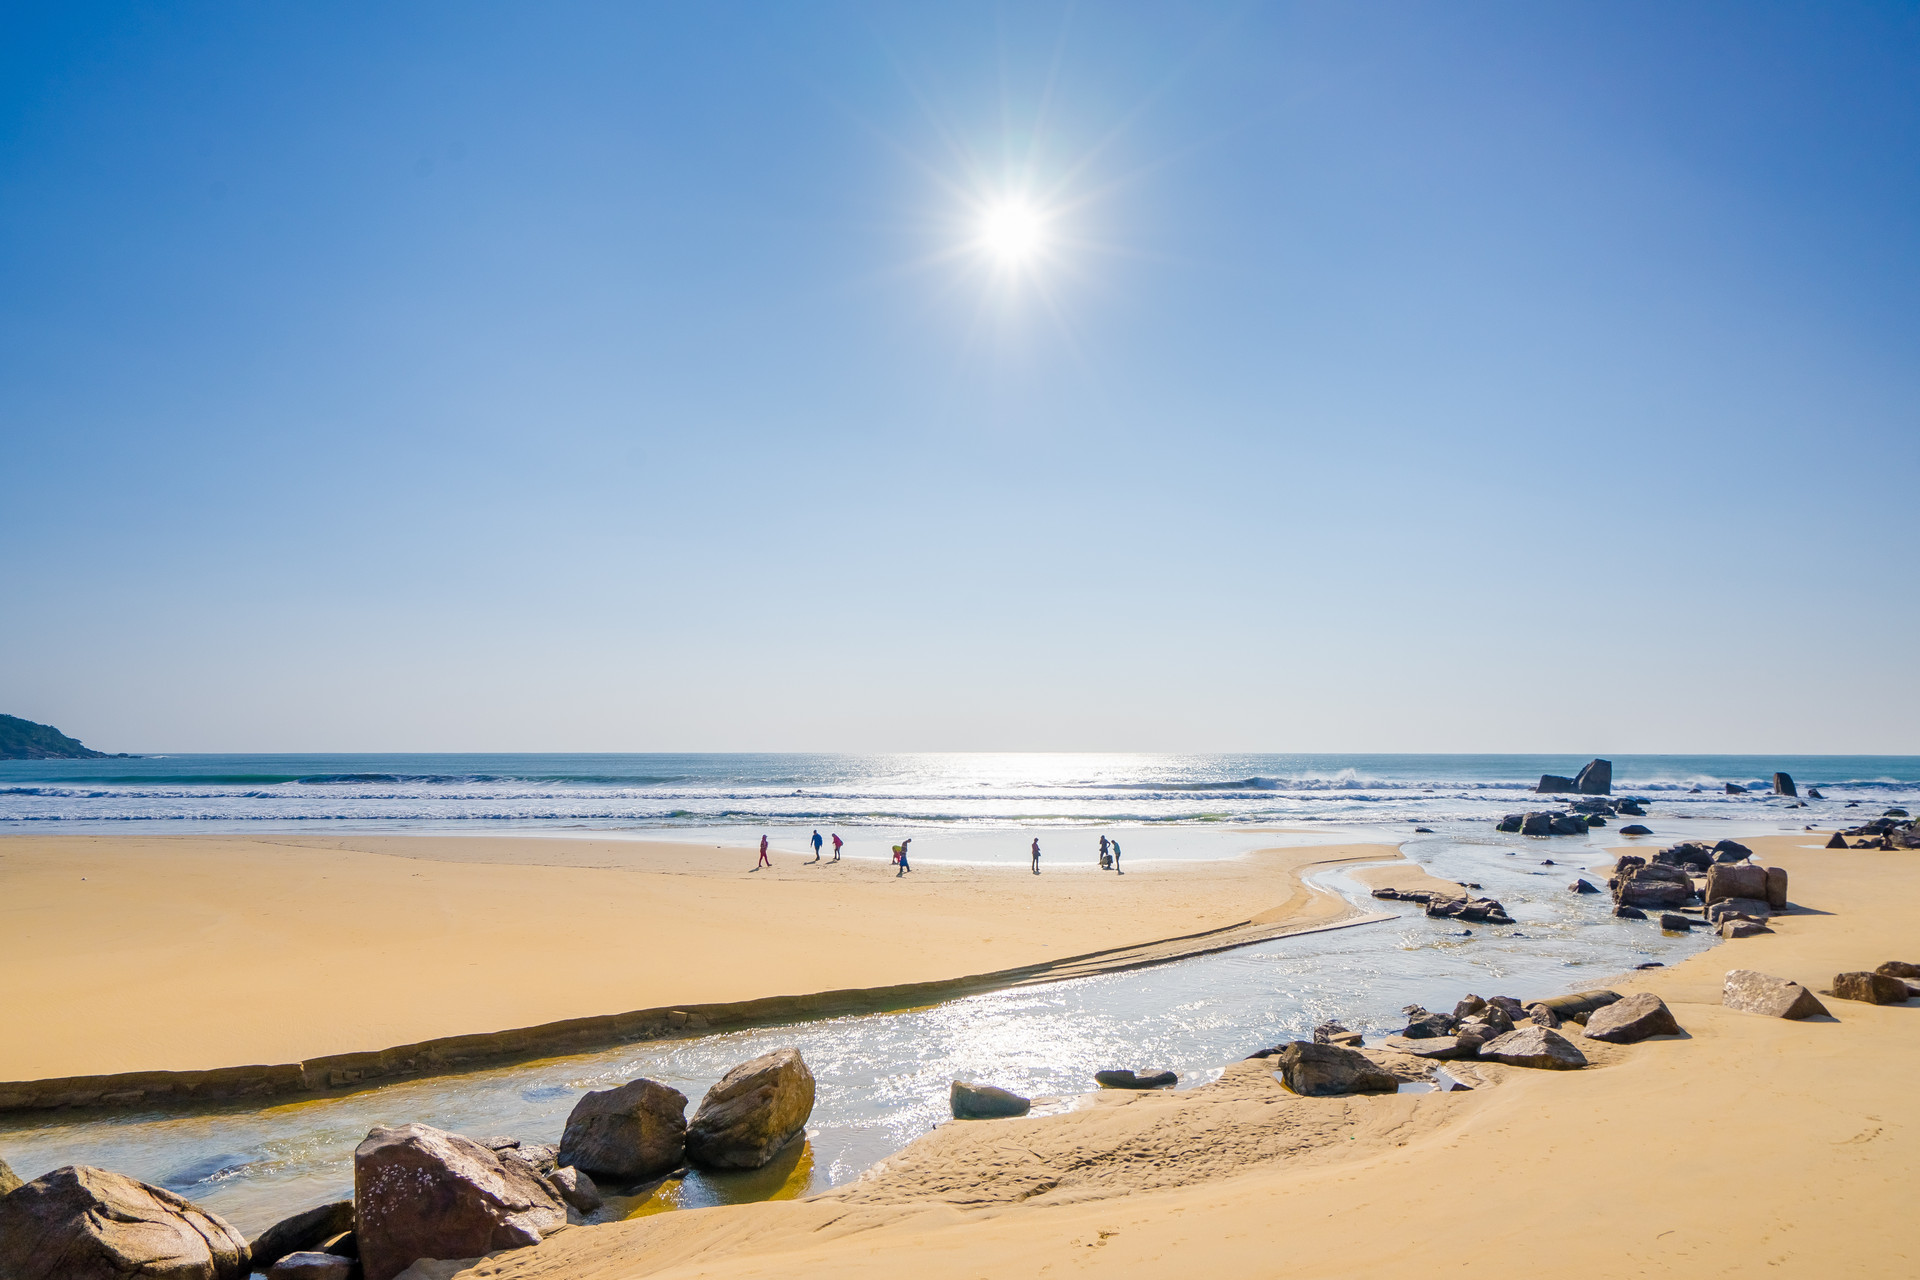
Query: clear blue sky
{"points": [[608, 377]]}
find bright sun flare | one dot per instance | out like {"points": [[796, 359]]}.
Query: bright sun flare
{"points": [[1012, 232]]}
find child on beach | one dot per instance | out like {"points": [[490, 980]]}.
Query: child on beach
{"points": [[836, 846], [763, 853]]}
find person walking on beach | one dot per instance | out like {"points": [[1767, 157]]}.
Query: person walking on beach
{"points": [[1036, 855], [1116, 859], [900, 856], [836, 846], [764, 862], [816, 844], [1103, 851]]}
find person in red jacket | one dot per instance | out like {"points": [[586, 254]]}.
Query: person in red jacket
{"points": [[764, 861]]}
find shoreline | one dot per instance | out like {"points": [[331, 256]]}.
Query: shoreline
{"points": [[1237, 902]]}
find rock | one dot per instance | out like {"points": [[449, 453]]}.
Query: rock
{"points": [[1632, 1019], [1422, 1025], [1423, 831], [1895, 813], [1892, 969], [984, 1102], [1328, 1071], [755, 1109], [1837, 842], [1872, 988], [303, 1232], [1626, 912], [1537, 824], [1736, 927], [1543, 1015], [1735, 789], [1630, 809], [312, 1265], [1751, 991], [1813, 793], [1435, 1049], [1653, 891], [1727, 880], [8, 1178], [1468, 1005], [1553, 784], [1754, 909], [1511, 822], [626, 1134], [576, 1188], [1567, 824], [1510, 1008], [1777, 888], [1324, 1033], [1535, 1046], [1783, 785], [81, 1223], [1596, 779], [1634, 829], [1595, 820], [1688, 853], [1675, 924], [1581, 886], [1149, 1080], [1730, 851], [421, 1192]]}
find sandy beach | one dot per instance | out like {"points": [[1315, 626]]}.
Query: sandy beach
{"points": [[1747, 1145], [294, 948]]}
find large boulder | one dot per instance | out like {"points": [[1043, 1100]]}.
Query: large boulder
{"points": [[1751, 991], [1536, 824], [303, 1232], [1552, 784], [1872, 988], [1777, 888], [1567, 824], [1535, 1046], [1647, 887], [1328, 1071], [626, 1134], [1837, 841], [1735, 789], [1729, 880], [755, 1109], [1783, 785], [1596, 779], [984, 1102], [421, 1192], [1631, 1019], [1730, 851], [80, 1223]]}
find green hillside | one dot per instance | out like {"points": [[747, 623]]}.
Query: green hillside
{"points": [[25, 740]]}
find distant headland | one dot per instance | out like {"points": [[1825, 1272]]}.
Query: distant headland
{"points": [[25, 740]]}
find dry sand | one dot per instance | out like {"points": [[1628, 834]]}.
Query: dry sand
{"points": [[1749, 1146], [185, 953]]}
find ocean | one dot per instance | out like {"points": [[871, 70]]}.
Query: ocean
{"points": [[661, 794]]}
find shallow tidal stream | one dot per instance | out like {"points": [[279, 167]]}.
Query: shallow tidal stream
{"points": [[882, 1078]]}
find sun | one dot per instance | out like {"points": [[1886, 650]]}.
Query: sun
{"points": [[1012, 232]]}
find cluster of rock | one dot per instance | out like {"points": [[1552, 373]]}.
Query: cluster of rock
{"points": [[1576, 819], [1596, 779], [418, 1192], [1446, 906], [1892, 830], [1738, 896], [1750, 991]]}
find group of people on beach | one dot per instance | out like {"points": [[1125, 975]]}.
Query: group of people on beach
{"points": [[1109, 854]]}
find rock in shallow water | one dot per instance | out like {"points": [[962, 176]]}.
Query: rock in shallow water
{"points": [[627, 1134], [311, 1265], [1535, 1046], [80, 1223], [420, 1192], [1328, 1071], [984, 1102], [1751, 991], [576, 1188], [303, 1232], [755, 1109], [1124, 1079]]}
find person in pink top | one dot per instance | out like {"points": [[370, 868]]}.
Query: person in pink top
{"points": [[764, 861], [836, 846]]}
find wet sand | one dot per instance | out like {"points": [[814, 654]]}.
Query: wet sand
{"points": [[136, 954], [1748, 1145]]}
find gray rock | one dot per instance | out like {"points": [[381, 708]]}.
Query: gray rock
{"points": [[1634, 829], [312, 1265], [1567, 824], [1783, 785], [1596, 779], [984, 1102], [81, 1223], [1554, 784], [1542, 1015], [1731, 851], [1734, 928], [1630, 809], [1435, 1049], [421, 1192], [1581, 886], [1126, 1079], [576, 1188], [1422, 1025], [1735, 789], [626, 1134], [1632, 1019], [1676, 924], [1872, 988], [1751, 991], [1511, 822], [1899, 969], [1776, 888], [303, 1232], [1626, 912], [1837, 841], [1327, 1071], [1326, 1031], [1535, 1046], [754, 1111], [1642, 890], [1754, 909], [1468, 1005]]}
